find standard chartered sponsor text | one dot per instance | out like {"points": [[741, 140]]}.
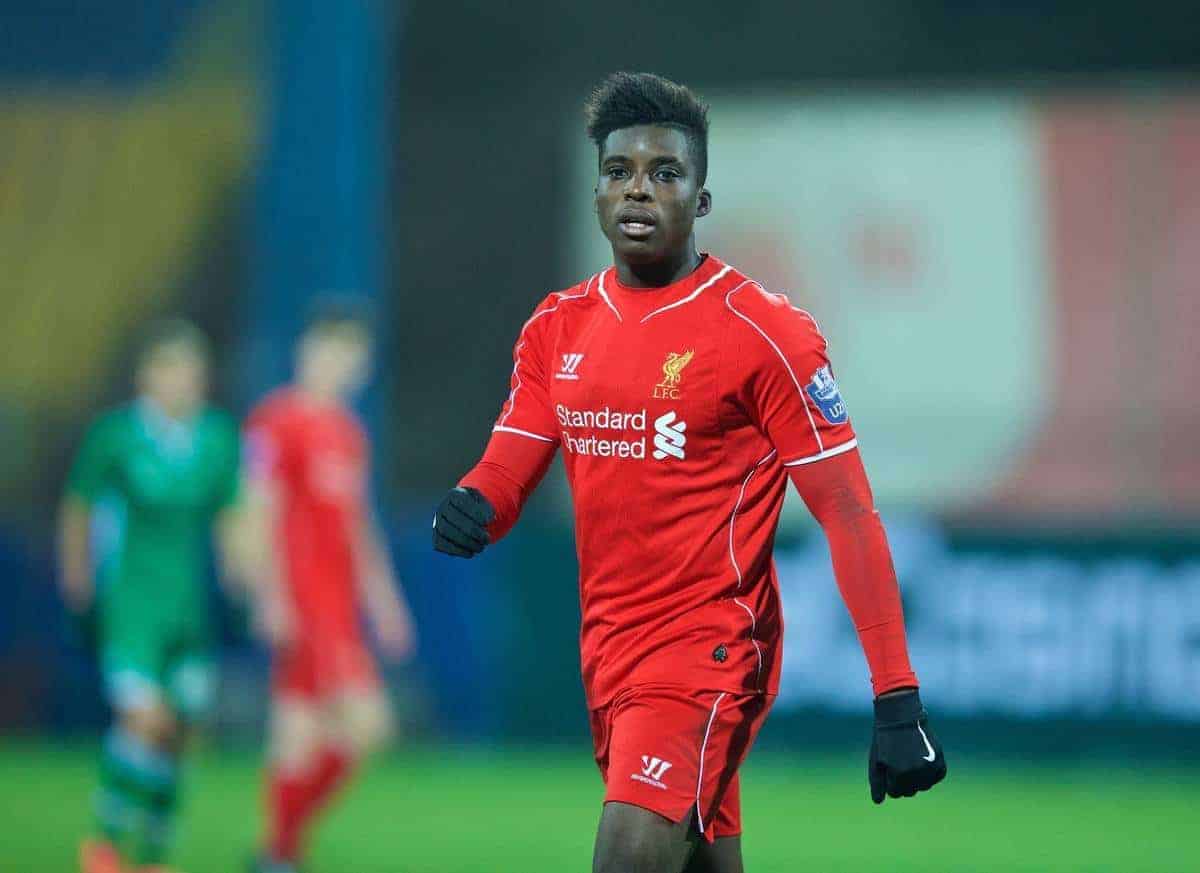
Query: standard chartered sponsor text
{"points": [[604, 418]]}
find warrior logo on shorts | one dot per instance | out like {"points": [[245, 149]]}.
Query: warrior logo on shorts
{"points": [[653, 770], [823, 389]]}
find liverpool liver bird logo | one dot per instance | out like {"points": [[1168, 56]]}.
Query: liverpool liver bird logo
{"points": [[673, 367], [668, 388]]}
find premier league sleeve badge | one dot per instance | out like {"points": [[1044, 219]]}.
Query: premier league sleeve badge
{"points": [[823, 390]]}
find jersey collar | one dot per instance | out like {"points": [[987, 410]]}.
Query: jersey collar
{"points": [[639, 305], [174, 437]]}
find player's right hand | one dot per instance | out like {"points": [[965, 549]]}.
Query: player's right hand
{"points": [[460, 523]]}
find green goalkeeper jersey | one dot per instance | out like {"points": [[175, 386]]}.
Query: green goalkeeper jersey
{"points": [[171, 480]]}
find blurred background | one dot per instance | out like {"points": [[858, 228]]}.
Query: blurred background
{"points": [[992, 208]]}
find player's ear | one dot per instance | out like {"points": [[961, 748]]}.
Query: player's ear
{"points": [[704, 203]]}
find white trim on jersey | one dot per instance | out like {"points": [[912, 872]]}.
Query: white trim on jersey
{"points": [[816, 324], [810, 317], [782, 357], [828, 453], [733, 515], [737, 569], [536, 436], [512, 395], [604, 294], [690, 297], [753, 628], [700, 770], [794, 308]]}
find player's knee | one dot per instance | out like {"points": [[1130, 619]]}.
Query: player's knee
{"points": [[637, 841], [366, 724], [630, 852], [153, 724], [295, 736]]}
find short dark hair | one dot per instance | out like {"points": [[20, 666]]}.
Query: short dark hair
{"points": [[337, 313], [629, 99], [166, 332]]}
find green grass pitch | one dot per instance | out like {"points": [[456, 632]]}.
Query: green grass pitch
{"points": [[433, 810]]}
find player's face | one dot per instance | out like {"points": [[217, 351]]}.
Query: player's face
{"points": [[340, 360], [649, 195], [176, 378]]}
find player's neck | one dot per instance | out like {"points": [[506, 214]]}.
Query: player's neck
{"points": [[164, 410], [660, 273], [315, 393]]}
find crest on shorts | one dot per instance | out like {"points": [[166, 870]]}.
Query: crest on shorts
{"points": [[823, 390]]}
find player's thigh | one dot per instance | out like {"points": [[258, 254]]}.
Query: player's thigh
{"points": [[631, 839], [722, 855], [653, 750], [297, 731], [676, 752], [360, 718]]}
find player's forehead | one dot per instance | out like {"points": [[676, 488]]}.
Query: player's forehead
{"points": [[179, 353], [644, 143], [341, 335]]}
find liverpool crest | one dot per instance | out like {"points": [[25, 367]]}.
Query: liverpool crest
{"points": [[672, 368]]}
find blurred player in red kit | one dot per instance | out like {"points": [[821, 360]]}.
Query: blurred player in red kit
{"points": [[324, 560], [684, 397]]}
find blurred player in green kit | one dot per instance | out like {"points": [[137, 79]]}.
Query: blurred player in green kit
{"points": [[170, 463]]}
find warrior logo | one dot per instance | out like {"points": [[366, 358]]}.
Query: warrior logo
{"points": [[653, 771], [570, 363]]}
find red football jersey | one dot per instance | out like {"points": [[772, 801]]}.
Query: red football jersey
{"points": [[678, 411], [316, 459]]}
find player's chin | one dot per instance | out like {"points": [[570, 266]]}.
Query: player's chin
{"points": [[638, 251]]}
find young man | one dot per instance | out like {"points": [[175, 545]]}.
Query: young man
{"points": [[324, 557], [169, 465], [684, 397]]}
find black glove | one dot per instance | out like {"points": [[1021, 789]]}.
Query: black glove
{"points": [[460, 523], [905, 755]]}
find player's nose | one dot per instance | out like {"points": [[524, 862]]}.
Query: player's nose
{"points": [[637, 189]]}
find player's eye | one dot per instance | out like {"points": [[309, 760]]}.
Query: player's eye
{"points": [[667, 174], [617, 172]]}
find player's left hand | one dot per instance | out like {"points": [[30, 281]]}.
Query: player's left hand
{"points": [[906, 757]]}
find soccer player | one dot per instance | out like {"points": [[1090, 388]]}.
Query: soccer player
{"points": [[307, 487], [684, 396], [170, 464]]}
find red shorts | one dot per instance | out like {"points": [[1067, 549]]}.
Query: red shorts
{"points": [[320, 667], [672, 750]]}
